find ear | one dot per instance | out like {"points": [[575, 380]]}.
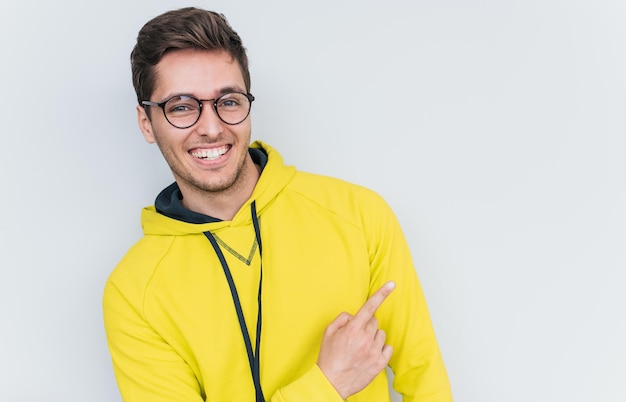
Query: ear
{"points": [[145, 125]]}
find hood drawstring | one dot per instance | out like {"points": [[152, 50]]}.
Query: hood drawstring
{"points": [[253, 354]]}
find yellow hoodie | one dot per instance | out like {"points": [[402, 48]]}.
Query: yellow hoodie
{"points": [[172, 328]]}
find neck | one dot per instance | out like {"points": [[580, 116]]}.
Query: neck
{"points": [[226, 203]]}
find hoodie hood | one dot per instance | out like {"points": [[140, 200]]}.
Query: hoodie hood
{"points": [[169, 217]]}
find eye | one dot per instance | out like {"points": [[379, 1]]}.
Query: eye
{"points": [[181, 105], [178, 108], [230, 101]]}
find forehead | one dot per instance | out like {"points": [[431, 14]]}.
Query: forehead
{"points": [[196, 72]]}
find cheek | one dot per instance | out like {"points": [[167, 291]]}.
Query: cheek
{"points": [[244, 132], [166, 144]]}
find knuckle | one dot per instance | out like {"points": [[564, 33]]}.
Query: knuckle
{"points": [[369, 308], [361, 344]]}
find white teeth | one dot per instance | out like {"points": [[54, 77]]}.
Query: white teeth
{"points": [[210, 154]]}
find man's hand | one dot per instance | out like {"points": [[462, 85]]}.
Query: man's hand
{"points": [[353, 349]]}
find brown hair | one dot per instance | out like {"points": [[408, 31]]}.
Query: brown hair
{"points": [[186, 28]]}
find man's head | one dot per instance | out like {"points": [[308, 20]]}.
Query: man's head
{"points": [[191, 64], [186, 28]]}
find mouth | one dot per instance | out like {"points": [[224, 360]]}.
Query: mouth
{"points": [[209, 154]]}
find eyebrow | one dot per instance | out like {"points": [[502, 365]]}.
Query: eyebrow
{"points": [[226, 90], [220, 92]]}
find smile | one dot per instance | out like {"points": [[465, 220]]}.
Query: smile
{"points": [[210, 154]]}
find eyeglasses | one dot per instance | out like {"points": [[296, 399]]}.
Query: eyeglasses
{"points": [[183, 111]]}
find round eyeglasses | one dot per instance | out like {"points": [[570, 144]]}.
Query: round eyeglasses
{"points": [[183, 111]]}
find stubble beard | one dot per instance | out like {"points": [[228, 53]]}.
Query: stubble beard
{"points": [[213, 186], [207, 182]]}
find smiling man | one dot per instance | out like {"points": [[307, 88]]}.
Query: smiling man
{"points": [[255, 281]]}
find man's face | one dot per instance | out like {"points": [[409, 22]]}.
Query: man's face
{"points": [[210, 156]]}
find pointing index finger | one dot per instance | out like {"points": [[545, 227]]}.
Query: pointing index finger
{"points": [[369, 308]]}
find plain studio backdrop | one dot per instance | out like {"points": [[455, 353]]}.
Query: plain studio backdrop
{"points": [[494, 128]]}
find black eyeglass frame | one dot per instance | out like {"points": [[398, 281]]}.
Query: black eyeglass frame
{"points": [[214, 102]]}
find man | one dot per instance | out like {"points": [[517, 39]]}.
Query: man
{"points": [[254, 281]]}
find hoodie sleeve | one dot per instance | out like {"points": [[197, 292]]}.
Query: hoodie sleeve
{"points": [[146, 367], [311, 387], [419, 371], [420, 374]]}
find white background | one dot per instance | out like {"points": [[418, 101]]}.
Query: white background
{"points": [[495, 129]]}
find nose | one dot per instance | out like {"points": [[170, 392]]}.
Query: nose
{"points": [[209, 123]]}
